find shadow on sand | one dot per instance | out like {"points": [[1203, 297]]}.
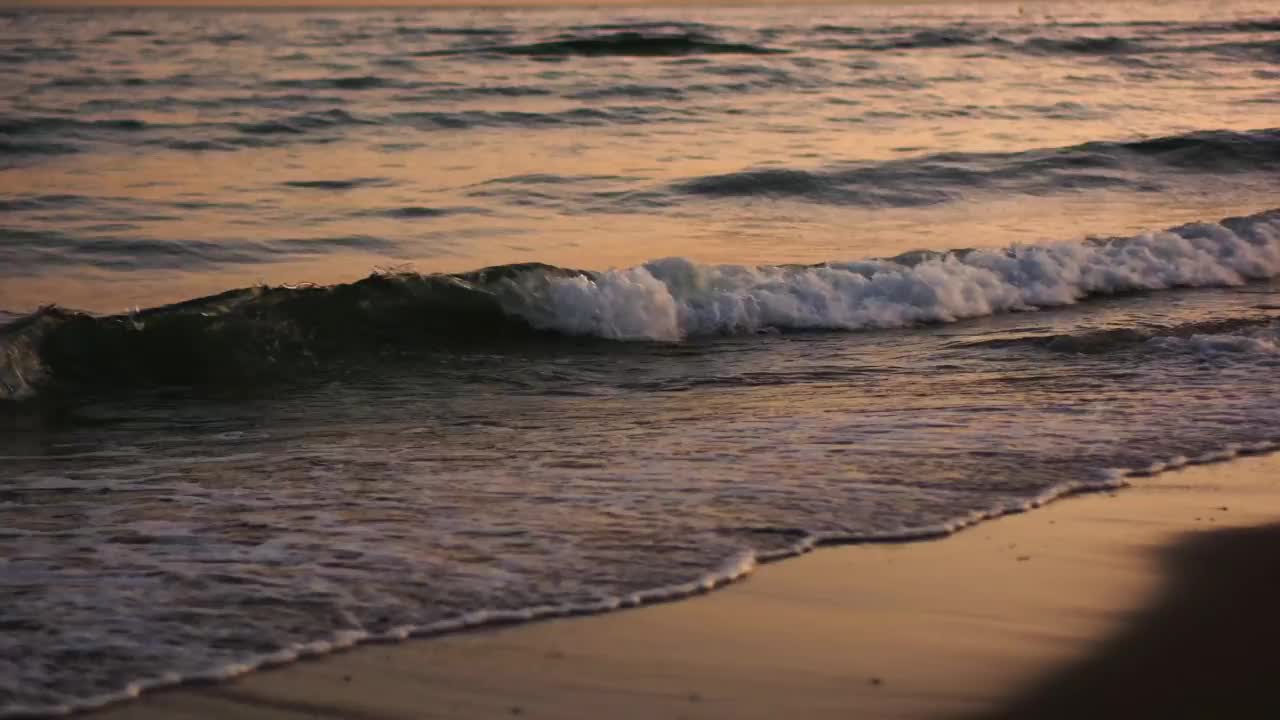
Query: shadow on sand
{"points": [[1207, 647]]}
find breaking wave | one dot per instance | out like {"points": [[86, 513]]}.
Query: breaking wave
{"points": [[249, 334], [673, 299]]}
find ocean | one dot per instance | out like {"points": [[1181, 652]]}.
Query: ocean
{"points": [[320, 327]]}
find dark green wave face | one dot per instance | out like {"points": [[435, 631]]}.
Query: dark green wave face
{"points": [[752, 280]]}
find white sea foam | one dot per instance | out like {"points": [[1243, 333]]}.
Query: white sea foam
{"points": [[736, 568], [674, 298], [1221, 345]]}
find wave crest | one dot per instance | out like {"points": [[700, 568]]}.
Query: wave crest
{"points": [[673, 299], [256, 333]]}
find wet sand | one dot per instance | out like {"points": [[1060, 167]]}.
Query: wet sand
{"points": [[1156, 601]]}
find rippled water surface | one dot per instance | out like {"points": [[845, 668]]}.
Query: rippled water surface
{"points": [[150, 153], [757, 279]]}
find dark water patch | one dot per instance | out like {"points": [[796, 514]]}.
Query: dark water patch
{"points": [[24, 251], [858, 39], [878, 187], [728, 88], [1065, 110], [569, 193], [85, 81], [302, 123], [588, 116], [623, 44], [198, 145], [277, 140], [322, 245], [461, 92], [926, 39], [1084, 46], [413, 212], [884, 81], [755, 76], [212, 205], [1265, 50], [1140, 52], [630, 90], [28, 203], [358, 82], [35, 125], [646, 26], [398, 147], [1217, 151], [396, 62], [553, 179], [130, 32], [820, 187], [347, 184], [452, 31], [22, 54], [228, 38], [1261, 25], [843, 29], [182, 81], [11, 148], [172, 103], [271, 127], [834, 37]]}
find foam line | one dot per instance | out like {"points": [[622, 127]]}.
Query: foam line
{"points": [[734, 569]]}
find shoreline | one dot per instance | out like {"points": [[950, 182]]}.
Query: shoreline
{"points": [[916, 658]]}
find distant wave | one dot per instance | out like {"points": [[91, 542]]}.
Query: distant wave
{"points": [[906, 182], [933, 179], [576, 117], [460, 31], [301, 123], [624, 44], [251, 334], [40, 135], [348, 82], [1262, 25], [30, 125], [1109, 45], [1005, 39], [19, 148], [346, 184]]}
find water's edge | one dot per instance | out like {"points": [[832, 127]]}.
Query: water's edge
{"points": [[731, 571]]}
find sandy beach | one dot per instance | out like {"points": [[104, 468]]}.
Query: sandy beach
{"points": [[1095, 605]]}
